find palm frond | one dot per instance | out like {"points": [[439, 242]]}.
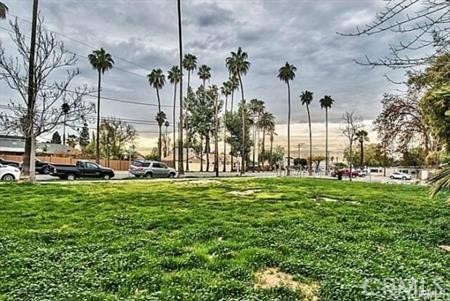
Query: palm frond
{"points": [[440, 181]]}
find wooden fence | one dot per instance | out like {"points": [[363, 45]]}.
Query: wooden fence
{"points": [[114, 164]]}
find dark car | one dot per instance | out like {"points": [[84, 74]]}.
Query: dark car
{"points": [[9, 163], [82, 169], [43, 167]]}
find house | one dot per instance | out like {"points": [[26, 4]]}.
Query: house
{"points": [[15, 145]]}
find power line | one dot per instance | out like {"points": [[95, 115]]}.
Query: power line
{"points": [[80, 42]]}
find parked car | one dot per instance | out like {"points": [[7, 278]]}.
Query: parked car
{"points": [[400, 176], [82, 169], [345, 173], [9, 173], [151, 169], [43, 167], [9, 163]]}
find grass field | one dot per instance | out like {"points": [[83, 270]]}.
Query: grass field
{"points": [[212, 240]]}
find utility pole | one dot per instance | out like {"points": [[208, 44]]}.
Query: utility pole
{"points": [[30, 143], [180, 128], [216, 138]]}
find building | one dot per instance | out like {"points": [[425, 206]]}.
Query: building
{"points": [[15, 146]]}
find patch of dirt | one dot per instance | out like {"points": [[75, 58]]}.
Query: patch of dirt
{"points": [[245, 192], [197, 182], [445, 248], [273, 277]]}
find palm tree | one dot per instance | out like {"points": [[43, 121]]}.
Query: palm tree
{"points": [[101, 61], [306, 98], [286, 74], [256, 108], [65, 108], [361, 137], [325, 103], [204, 73], [272, 134], [238, 66], [234, 85], [174, 76], [3, 10], [190, 64], [226, 91], [440, 181], [266, 122], [157, 79], [166, 139]]}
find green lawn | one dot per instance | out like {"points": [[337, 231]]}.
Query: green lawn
{"points": [[148, 240]]}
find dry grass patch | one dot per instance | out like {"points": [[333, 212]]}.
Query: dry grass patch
{"points": [[445, 248], [244, 192], [273, 277]]}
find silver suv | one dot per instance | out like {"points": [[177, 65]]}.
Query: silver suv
{"points": [[151, 169]]}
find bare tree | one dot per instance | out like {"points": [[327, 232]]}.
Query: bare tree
{"points": [[54, 73], [423, 27], [401, 122], [351, 124]]}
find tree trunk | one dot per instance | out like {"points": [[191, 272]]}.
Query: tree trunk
{"points": [[288, 172], [201, 153], [180, 138], [270, 151], [159, 127], [225, 136], [326, 140], [231, 111], [64, 129], [97, 151], [310, 141], [361, 160], [351, 160], [187, 139], [173, 125], [243, 152], [216, 139], [207, 149], [254, 147], [263, 142]]}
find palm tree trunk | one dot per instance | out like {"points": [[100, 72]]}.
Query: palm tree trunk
{"points": [[254, 148], [201, 152], [225, 136], [263, 147], [288, 172], [159, 126], [310, 141], [173, 125], [97, 153], [207, 147], [243, 153], [231, 112], [187, 140], [180, 143], [361, 159], [326, 140], [270, 151], [64, 129]]}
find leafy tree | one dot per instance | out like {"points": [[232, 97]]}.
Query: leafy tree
{"points": [[286, 74], [102, 62], [84, 137], [317, 160], [233, 122], [306, 98], [157, 79], [277, 154], [256, 107], [300, 162], [174, 76], [72, 141], [115, 137], [190, 64], [56, 138], [361, 137], [3, 10], [238, 66], [325, 103], [65, 108]]}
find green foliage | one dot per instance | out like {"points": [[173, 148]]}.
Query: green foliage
{"points": [[197, 241], [83, 140], [56, 138], [233, 123], [101, 60], [115, 137]]}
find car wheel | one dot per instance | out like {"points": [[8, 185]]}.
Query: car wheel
{"points": [[403, 178], [149, 175], [71, 177], [106, 177], [8, 178], [171, 175], [46, 170], [392, 177]]}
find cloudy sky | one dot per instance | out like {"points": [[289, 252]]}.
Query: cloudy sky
{"points": [[142, 35]]}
